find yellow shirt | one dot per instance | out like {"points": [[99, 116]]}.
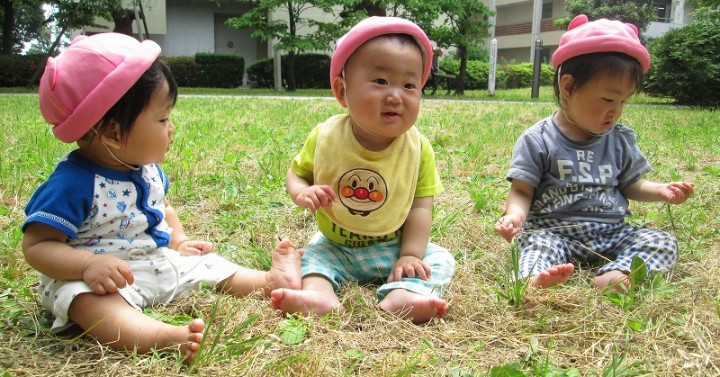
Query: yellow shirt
{"points": [[375, 188]]}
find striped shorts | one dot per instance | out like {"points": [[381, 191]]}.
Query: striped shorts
{"points": [[544, 243], [372, 264]]}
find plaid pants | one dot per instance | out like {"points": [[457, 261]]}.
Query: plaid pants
{"points": [[341, 264], [544, 243]]}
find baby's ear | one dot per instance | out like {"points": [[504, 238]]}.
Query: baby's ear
{"points": [[338, 89], [111, 136]]}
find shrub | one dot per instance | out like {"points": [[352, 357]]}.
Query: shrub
{"points": [[311, 72], [17, 70], [219, 70], [686, 65], [507, 76], [184, 69]]}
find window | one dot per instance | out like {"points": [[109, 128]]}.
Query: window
{"points": [[547, 10], [664, 10]]}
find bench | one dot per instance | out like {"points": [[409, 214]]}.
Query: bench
{"points": [[433, 81]]}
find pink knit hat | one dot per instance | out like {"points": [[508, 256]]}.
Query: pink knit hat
{"points": [[85, 80], [372, 27], [583, 37]]}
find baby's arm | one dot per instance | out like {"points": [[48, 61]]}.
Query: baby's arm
{"points": [[45, 250], [415, 237], [179, 240], [517, 206], [306, 195], [647, 191]]}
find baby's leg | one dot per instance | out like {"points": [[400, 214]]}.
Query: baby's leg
{"points": [[553, 276], [112, 321], [615, 280], [284, 273], [317, 296], [413, 306]]}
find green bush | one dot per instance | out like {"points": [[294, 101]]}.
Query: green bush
{"points": [[686, 65], [507, 76], [219, 70], [311, 72], [184, 69], [17, 70]]}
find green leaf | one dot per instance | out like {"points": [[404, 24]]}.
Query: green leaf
{"points": [[639, 270], [292, 331], [355, 354], [636, 325], [507, 370]]}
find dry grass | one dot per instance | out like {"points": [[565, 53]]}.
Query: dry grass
{"points": [[231, 192]]}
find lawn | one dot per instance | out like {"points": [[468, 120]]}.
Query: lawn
{"points": [[227, 167]]}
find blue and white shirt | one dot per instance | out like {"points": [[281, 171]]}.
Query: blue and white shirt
{"points": [[103, 210]]}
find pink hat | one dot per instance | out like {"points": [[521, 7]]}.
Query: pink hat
{"points": [[602, 35], [85, 80], [372, 27]]}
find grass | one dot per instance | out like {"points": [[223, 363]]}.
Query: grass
{"points": [[228, 164]]}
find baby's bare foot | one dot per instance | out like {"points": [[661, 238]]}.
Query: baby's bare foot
{"points": [[553, 276], [615, 280], [190, 346], [304, 302], [414, 306], [285, 270]]}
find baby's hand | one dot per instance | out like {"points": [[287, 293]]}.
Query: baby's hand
{"points": [[508, 226], [106, 273], [677, 192], [316, 196], [410, 266], [191, 247]]}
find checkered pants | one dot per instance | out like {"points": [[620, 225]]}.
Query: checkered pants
{"points": [[544, 243], [340, 264]]}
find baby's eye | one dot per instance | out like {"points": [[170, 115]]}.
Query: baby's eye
{"points": [[609, 100], [381, 81], [409, 86]]}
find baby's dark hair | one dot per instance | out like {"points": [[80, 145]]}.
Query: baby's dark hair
{"points": [[126, 110], [401, 40], [584, 68]]}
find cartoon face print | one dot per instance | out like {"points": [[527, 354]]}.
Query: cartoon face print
{"points": [[362, 191]]}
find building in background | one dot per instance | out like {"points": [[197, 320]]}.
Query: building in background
{"points": [[513, 25], [185, 27]]}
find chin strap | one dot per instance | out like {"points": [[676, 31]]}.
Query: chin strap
{"points": [[133, 168]]}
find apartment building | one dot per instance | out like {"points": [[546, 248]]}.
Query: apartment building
{"points": [[185, 27], [514, 25]]}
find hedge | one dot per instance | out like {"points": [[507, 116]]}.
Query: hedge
{"points": [[507, 76], [204, 70], [17, 70], [311, 72]]}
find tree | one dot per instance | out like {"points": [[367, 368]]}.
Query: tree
{"points": [[21, 21], [462, 24], [286, 33], [75, 14], [637, 12], [685, 64]]}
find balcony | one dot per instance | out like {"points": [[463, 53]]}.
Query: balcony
{"points": [[525, 28]]}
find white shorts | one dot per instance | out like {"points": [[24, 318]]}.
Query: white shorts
{"points": [[161, 275]]}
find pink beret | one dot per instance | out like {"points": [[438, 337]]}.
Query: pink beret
{"points": [[372, 27], [583, 37], [85, 80]]}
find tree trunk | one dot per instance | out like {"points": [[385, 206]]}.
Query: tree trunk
{"points": [[8, 26], [291, 87], [123, 19], [460, 84]]}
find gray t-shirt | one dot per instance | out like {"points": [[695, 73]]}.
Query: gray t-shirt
{"points": [[577, 181]]}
